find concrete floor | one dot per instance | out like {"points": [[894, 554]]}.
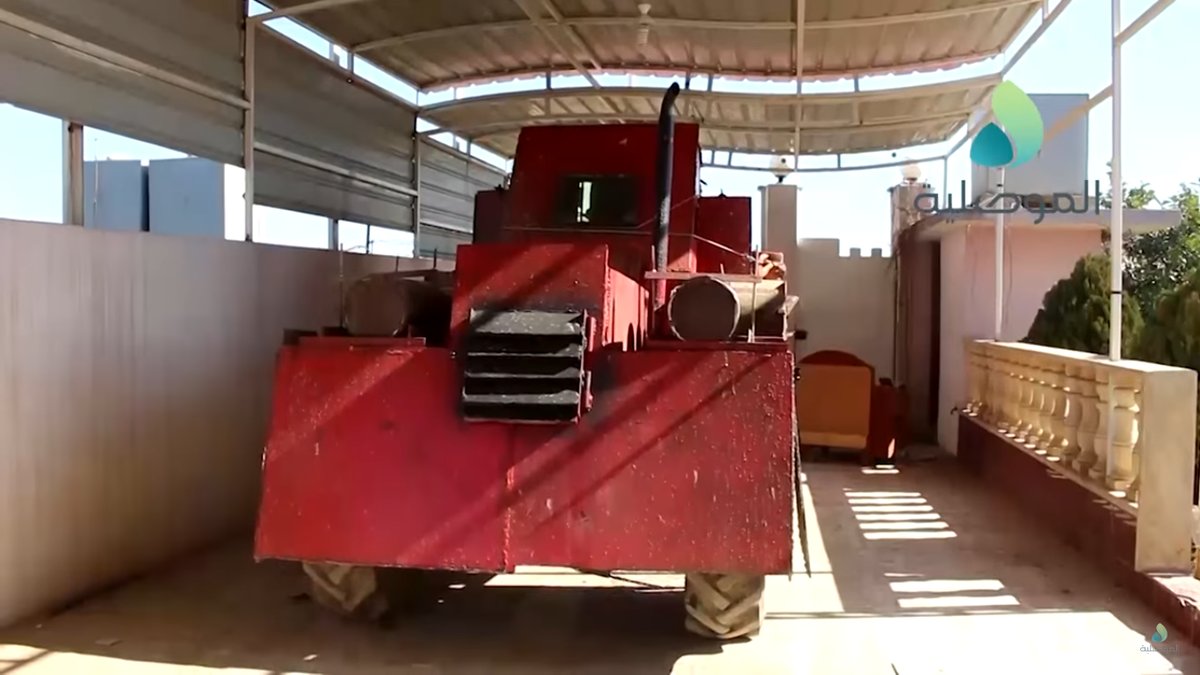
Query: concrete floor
{"points": [[919, 570]]}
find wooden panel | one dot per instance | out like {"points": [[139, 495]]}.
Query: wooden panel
{"points": [[833, 405]]}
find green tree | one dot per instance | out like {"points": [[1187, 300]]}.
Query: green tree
{"points": [[1172, 336], [1075, 312], [1172, 331], [1158, 262], [1161, 275]]}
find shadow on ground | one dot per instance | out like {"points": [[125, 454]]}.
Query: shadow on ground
{"points": [[918, 568], [224, 611]]}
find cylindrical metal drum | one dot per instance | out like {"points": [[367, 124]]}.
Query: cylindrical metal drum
{"points": [[708, 308], [703, 308]]}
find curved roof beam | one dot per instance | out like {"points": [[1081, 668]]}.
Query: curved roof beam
{"points": [[735, 119], [679, 70], [303, 8], [695, 24], [535, 96], [485, 129]]}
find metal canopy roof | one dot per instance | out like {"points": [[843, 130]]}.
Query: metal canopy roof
{"points": [[830, 123], [448, 42], [455, 42]]}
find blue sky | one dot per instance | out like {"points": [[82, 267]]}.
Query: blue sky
{"points": [[1161, 143]]}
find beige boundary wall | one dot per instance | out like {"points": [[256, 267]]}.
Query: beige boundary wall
{"points": [[135, 379]]}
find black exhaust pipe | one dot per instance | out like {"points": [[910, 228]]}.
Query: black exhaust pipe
{"points": [[666, 153]]}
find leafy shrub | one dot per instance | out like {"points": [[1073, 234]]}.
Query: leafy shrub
{"points": [[1075, 312]]}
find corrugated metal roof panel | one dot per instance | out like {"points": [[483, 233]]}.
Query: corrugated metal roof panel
{"points": [[830, 123], [435, 44]]}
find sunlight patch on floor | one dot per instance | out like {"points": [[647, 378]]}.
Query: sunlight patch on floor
{"points": [[923, 534], [874, 517], [892, 508], [946, 585], [915, 500], [944, 601], [903, 525]]}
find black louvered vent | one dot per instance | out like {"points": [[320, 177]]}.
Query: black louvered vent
{"points": [[524, 366]]}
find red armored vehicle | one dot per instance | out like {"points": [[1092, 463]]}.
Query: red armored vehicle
{"points": [[607, 384]]}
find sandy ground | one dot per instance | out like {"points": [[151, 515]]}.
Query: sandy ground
{"points": [[919, 570]]}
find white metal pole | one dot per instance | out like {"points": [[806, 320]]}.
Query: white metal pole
{"points": [[416, 197], [1117, 214], [999, 319], [946, 177], [248, 120], [334, 233], [73, 207], [801, 11]]}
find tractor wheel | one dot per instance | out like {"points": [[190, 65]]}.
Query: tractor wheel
{"points": [[724, 606], [349, 590], [374, 593]]}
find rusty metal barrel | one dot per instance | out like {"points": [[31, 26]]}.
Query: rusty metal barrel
{"points": [[397, 305], [709, 308]]}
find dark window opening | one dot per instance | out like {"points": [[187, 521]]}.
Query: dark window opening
{"points": [[598, 201]]}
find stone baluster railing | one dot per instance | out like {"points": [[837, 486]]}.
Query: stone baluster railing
{"points": [[1135, 488], [1056, 409], [1125, 429], [1024, 418], [1089, 419], [1121, 470], [1099, 467], [1072, 417], [1044, 402]]}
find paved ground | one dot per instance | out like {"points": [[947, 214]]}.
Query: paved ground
{"points": [[916, 571]]}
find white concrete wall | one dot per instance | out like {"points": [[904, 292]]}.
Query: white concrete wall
{"points": [[846, 303], [135, 378], [1035, 259]]}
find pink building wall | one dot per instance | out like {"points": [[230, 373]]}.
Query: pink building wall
{"points": [[1036, 258]]}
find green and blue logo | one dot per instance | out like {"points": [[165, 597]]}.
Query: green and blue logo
{"points": [[1160, 634], [1016, 135]]}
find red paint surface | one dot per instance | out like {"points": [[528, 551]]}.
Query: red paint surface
{"points": [[546, 154], [368, 461], [684, 463], [726, 221], [627, 318], [341, 342], [488, 223], [526, 275]]}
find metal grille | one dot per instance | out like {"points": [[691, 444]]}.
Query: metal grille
{"points": [[524, 366]]}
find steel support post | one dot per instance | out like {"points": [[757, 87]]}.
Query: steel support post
{"points": [[249, 28], [945, 176], [1116, 229], [73, 207], [998, 328], [416, 185]]}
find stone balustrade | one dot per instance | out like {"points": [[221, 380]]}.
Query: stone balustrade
{"points": [[1125, 429]]}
